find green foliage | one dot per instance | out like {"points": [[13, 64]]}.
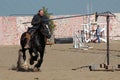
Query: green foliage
{"points": [[52, 25]]}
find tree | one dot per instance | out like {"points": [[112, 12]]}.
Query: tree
{"points": [[52, 25]]}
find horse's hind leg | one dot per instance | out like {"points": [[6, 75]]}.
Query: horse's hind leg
{"points": [[20, 59], [21, 63], [24, 55]]}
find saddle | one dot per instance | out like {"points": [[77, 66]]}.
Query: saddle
{"points": [[30, 32]]}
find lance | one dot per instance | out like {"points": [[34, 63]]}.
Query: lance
{"points": [[96, 15]]}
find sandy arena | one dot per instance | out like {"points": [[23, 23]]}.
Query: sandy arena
{"points": [[59, 60]]}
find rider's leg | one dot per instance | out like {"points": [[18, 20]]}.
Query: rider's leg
{"points": [[28, 36], [28, 40]]}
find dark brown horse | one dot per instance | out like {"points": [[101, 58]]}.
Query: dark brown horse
{"points": [[37, 45]]}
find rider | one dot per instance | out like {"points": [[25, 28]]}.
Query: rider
{"points": [[36, 22]]}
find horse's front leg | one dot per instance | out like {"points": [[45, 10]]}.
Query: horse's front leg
{"points": [[38, 65], [33, 57]]}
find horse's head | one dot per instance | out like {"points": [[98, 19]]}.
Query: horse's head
{"points": [[46, 31]]}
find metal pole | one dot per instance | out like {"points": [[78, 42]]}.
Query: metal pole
{"points": [[108, 20]]}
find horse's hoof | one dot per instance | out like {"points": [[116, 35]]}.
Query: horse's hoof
{"points": [[23, 67], [36, 70]]}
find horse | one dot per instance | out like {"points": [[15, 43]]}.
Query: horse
{"points": [[37, 45]]}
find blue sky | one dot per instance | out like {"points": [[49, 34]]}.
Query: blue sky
{"points": [[58, 7]]}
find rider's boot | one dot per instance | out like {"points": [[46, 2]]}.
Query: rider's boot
{"points": [[27, 44]]}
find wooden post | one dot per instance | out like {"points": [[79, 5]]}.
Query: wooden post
{"points": [[108, 20]]}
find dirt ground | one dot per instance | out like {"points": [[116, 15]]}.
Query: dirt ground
{"points": [[60, 59]]}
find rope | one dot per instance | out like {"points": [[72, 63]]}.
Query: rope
{"points": [[99, 59]]}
